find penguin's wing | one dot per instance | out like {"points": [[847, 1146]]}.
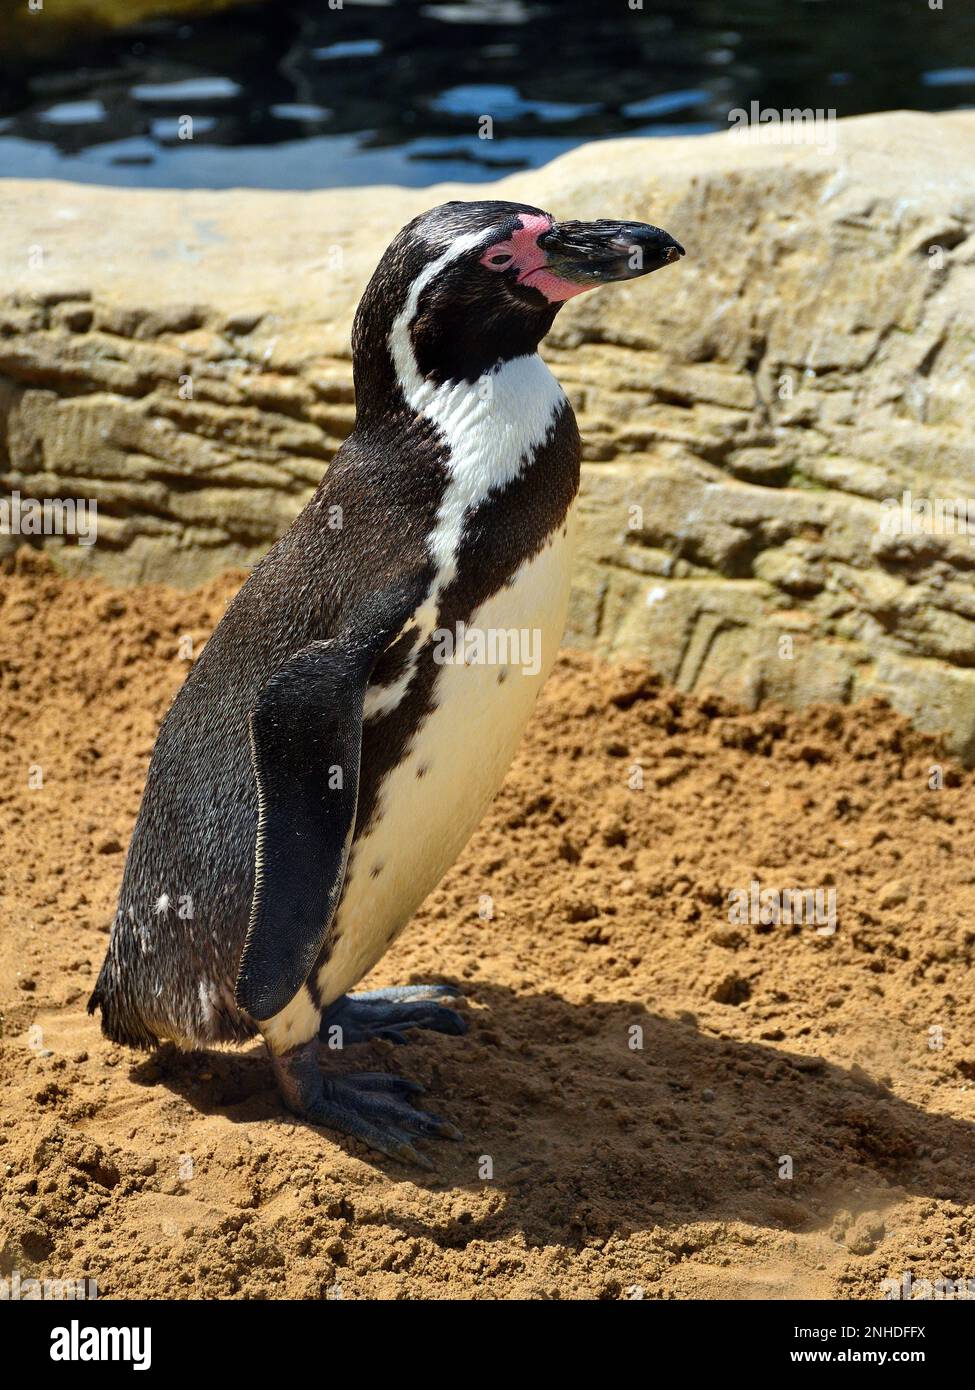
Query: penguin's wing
{"points": [[306, 740]]}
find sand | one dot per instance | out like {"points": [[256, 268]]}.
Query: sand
{"points": [[657, 1101]]}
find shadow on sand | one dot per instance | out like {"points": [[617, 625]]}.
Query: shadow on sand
{"points": [[589, 1137]]}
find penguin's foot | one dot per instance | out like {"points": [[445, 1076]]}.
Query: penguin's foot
{"points": [[389, 1013], [371, 1106]]}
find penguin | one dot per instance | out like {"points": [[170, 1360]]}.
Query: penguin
{"points": [[329, 755]]}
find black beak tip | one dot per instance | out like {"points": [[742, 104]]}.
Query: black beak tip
{"points": [[667, 248], [657, 247]]}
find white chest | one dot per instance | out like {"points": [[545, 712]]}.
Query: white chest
{"points": [[432, 801], [492, 428]]}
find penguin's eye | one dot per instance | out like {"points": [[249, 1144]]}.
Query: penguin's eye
{"points": [[499, 261]]}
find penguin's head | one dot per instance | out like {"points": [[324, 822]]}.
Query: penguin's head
{"points": [[467, 286]]}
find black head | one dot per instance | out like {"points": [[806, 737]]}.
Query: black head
{"points": [[477, 284]]}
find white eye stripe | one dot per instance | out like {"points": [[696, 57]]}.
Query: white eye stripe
{"points": [[458, 248]]}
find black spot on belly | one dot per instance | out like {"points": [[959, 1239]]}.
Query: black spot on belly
{"points": [[422, 770], [502, 676], [376, 870]]}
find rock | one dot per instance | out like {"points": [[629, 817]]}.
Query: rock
{"points": [[865, 1234], [894, 894], [749, 416], [24, 1242], [732, 989]]}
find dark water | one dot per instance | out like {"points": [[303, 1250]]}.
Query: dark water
{"points": [[294, 94]]}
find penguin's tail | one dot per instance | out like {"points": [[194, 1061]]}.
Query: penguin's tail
{"points": [[119, 1023], [122, 1019], [137, 1010]]}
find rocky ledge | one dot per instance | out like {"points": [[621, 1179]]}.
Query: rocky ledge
{"points": [[750, 416]]}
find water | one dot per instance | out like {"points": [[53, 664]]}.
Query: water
{"points": [[293, 94]]}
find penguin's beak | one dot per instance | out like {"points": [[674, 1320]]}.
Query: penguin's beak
{"points": [[597, 253]]}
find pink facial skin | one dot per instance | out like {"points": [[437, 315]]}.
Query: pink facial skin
{"points": [[524, 253]]}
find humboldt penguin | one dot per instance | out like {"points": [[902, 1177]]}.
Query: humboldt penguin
{"points": [[330, 752]]}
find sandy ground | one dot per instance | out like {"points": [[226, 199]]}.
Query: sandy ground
{"points": [[641, 1073]]}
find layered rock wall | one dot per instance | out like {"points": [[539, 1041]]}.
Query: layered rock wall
{"points": [[750, 416]]}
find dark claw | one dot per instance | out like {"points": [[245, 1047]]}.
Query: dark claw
{"points": [[407, 1154]]}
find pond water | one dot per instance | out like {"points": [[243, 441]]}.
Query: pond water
{"points": [[298, 94]]}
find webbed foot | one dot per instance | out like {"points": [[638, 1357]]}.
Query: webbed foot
{"points": [[372, 1106], [389, 1013]]}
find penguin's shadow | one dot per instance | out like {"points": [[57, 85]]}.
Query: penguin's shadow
{"points": [[600, 1119]]}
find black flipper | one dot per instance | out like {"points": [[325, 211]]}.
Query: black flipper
{"points": [[306, 740]]}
